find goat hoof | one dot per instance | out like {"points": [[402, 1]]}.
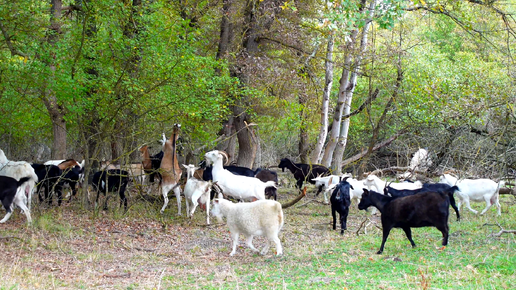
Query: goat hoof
{"points": [[379, 252]]}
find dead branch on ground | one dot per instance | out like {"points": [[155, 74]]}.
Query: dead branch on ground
{"points": [[295, 200], [501, 232]]}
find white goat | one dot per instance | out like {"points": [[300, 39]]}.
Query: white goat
{"points": [[476, 190], [259, 218], [373, 180], [196, 192], [421, 161], [237, 186], [17, 170], [328, 183], [355, 193]]}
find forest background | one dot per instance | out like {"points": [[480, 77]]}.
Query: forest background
{"points": [[353, 85]]}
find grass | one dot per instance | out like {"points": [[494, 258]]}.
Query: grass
{"points": [[72, 248]]}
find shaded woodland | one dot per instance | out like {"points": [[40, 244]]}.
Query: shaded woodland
{"points": [[353, 85]]}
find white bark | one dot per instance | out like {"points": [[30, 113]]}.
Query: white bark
{"points": [[344, 129], [316, 153]]}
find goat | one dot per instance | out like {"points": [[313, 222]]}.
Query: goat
{"points": [[355, 192], [476, 190], [421, 161], [73, 173], [268, 175], [17, 170], [205, 173], [304, 172], [325, 182], [109, 181], [427, 187], [170, 170], [196, 192], [136, 170], [238, 170], [238, 186], [9, 188], [151, 163], [259, 218], [340, 201], [49, 177], [373, 180], [71, 177], [413, 211]]}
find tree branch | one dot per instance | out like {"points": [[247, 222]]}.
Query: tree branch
{"points": [[7, 38]]}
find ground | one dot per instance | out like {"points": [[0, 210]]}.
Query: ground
{"points": [[73, 248]]}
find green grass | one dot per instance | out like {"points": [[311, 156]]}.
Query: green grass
{"points": [[72, 248]]}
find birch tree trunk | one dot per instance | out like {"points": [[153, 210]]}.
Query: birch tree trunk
{"points": [[337, 116], [344, 129], [315, 156]]}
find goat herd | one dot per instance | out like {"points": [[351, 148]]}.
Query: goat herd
{"points": [[402, 205]]}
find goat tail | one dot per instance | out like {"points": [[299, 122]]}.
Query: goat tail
{"points": [[496, 196], [23, 180], [279, 210], [270, 184]]}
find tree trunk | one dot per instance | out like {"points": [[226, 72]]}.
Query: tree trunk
{"points": [[328, 84], [344, 129], [258, 16], [337, 116], [228, 144], [246, 141], [303, 133], [55, 110], [57, 115]]}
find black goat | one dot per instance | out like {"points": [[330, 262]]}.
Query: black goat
{"points": [[8, 188], [109, 181], [303, 172], [427, 187], [71, 177], [156, 164], [48, 179], [420, 210], [268, 175], [340, 201]]}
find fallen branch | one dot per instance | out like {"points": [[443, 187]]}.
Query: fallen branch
{"points": [[361, 225], [144, 249], [501, 232], [10, 237], [311, 200], [124, 275], [504, 190], [295, 200]]}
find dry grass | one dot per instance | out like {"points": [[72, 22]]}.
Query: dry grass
{"points": [[70, 248]]}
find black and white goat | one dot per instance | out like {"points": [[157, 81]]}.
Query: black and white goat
{"points": [[9, 188], [111, 180], [237, 186], [429, 209], [304, 172], [268, 175], [340, 201], [49, 180], [17, 170]]}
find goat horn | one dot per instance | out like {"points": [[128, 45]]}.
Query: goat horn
{"points": [[225, 155]]}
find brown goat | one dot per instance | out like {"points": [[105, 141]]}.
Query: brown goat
{"points": [[170, 170]]}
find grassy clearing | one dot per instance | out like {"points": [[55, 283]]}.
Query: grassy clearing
{"points": [[71, 248]]}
